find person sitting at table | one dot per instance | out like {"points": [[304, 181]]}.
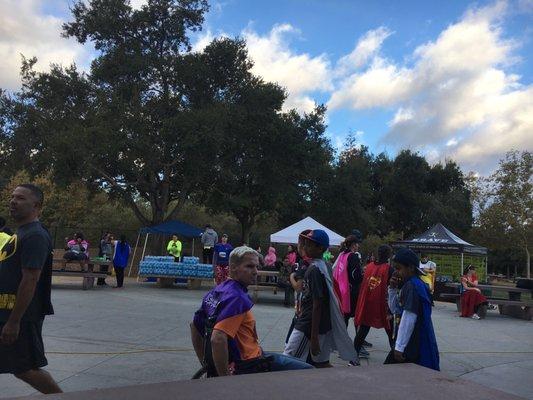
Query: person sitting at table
{"points": [[77, 249], [471, 297], [271, 258]]}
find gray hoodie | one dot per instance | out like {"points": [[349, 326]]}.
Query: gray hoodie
{"points": [[209, 238]]}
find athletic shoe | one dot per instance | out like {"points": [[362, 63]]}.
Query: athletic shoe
{"points": [[366, 344], [475, 316]]}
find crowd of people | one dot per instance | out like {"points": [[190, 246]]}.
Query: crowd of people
{"points": [[117, 252], [388, 293]]}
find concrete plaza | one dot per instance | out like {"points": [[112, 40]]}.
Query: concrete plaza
{"points": [[110, 337]]}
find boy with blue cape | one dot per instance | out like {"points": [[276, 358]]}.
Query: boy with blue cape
{"points": [[416, 342]]}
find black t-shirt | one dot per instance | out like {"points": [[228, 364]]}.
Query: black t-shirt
{"points": [[410, 301], [314, 288], [30, 247]]}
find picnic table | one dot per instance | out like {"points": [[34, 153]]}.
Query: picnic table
{"points": [[513, 305], [73, 269]]}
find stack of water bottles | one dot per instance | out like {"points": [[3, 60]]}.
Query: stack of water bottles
{"points": [[190, 267]]}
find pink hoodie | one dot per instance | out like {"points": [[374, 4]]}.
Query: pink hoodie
{"points": [[271, 258]]}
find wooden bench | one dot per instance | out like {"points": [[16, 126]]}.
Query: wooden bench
{"points": [[513, 308], [516, 309], [88, 277], [73, 270]]}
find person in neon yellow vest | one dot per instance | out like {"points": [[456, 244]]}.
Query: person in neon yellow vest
{"points": [[174, 248]]}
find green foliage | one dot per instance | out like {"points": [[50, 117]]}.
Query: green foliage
{"points": [[504, 204]]}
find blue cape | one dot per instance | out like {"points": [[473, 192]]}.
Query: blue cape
{"points": [[429, 351]]}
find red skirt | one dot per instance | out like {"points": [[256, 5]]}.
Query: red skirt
{"points": [[470, 299], [221, 274]]}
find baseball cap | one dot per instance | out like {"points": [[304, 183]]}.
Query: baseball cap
{"points": [[318, 236], [408, 257]]}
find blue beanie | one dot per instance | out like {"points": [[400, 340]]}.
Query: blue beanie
{"points": [[408, 257]]}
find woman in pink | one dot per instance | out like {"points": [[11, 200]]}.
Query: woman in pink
{"points": [[471, 298], [271, 258], [347, 276], [291, 255]]}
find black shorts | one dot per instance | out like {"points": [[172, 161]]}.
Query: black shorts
{"points": [[26, 353]]}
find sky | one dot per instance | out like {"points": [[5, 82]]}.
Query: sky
{"points": [[449, 79]]}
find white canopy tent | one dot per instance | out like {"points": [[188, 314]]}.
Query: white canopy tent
{"points": [[290, 234]]}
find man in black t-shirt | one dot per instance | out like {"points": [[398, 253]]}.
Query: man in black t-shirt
{"points": [[25, 282]]}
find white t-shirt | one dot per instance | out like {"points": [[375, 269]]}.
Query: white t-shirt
{"points": [[428, 265]]}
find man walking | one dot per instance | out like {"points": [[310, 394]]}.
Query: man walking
{"points": [[25, 284]]}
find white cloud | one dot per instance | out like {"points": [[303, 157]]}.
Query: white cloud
{"points": [[456, 85], [275, 61], [202, 40], [365, 49], [137, 4], [452, 142], [25, 30]]}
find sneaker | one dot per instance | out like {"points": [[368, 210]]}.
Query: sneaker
{"points": [[475, 316], [363, 353], [366, 344]]}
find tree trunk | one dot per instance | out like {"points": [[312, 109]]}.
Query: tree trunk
{"points": [[246, 230], [157, 241]]}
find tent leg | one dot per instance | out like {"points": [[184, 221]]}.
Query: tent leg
{"points": [[462, 264], [192, 252], [134, 253], [144, 247]]}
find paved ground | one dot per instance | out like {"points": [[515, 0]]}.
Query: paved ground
{"points": [[104, 338]]}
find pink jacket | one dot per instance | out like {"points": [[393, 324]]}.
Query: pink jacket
{"points": [[84, 244], [271, 258]]}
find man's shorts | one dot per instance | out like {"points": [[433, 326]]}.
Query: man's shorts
{"points": [[26, 353], [299, 346], [72, 256]]}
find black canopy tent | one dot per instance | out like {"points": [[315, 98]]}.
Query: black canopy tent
{"points": [[166, 228], [439, 239]]}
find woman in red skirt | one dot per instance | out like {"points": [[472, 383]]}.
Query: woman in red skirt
{"points": [[471, 298]]}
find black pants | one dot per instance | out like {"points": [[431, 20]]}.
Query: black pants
{"points": [[362, 332], [119, 272], [103, 268], [208, 255]]}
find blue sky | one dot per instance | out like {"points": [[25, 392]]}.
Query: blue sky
{"points": [[450, 79]]}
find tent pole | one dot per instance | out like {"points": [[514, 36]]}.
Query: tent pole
{"points": [[134, 252], [144, 248], [462, 263], [192, 252]]}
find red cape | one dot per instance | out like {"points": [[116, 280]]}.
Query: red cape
{"points": [[372, 306]]}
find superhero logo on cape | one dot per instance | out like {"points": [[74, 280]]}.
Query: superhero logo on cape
{"points": [[9, 248], [374, 282]]}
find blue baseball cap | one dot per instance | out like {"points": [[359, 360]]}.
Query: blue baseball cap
{"points": [[318, 236]]}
